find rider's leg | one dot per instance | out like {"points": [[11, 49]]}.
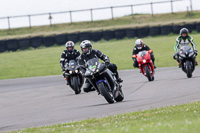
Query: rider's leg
{"points": [[113, 68], [153, 59], [135, 64], [87, 87]]}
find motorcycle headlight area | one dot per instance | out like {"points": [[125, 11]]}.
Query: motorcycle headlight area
{"points": [[70, 72], [191, 54], [144, 61], [182, 55], [76, 71]]}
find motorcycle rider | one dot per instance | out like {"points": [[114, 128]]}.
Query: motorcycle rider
{"points": [[182, 40], [140, 46], [69, 54], [89, 53]]}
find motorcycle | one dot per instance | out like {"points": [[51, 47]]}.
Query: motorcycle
{"points": [[73, 76], [145, 64], [103, 80], [187, 59]]}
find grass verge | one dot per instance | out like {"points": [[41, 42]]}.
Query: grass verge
{"points": [[45, 61], [121, 22], [175, 119]]}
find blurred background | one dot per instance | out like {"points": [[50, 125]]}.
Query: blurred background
{"points": [[28, 13]]}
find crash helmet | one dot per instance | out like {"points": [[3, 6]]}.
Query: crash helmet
{"points": [[184, 32], [139, 43], [69, 46], [86, 47]]}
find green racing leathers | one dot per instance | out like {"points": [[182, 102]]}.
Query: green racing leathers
{"points": [[180, 42], [183, 42]]}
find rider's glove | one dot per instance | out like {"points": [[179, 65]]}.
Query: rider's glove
{"points": [[63, 73], [195, 51], [175, 56], [107, 62]]}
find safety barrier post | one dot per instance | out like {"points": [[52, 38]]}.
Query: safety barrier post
{"points": [[91, 15], [112, 12], [151, 8], [29, 19], [8, 22]]}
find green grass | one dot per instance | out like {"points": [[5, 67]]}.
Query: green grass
{"points": [[175, 119], [45, 61], [121, 22]]}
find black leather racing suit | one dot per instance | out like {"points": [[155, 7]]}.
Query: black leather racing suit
{"points": [[83, 58], [136, 51], [67, 56]]}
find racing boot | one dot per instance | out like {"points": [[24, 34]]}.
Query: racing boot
{"points": [[66, 81], [196, 63], [119, 80], [179, 65], [154, 66]]}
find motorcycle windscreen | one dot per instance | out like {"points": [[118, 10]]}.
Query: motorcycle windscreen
{"points": [[185, 49], [92, 64], [72, 64], [142, 53]]}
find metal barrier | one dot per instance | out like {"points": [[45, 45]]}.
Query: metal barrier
{"points": [[29, 17]]}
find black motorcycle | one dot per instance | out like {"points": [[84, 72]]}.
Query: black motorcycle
{"points": [[103, 80], [187, 59], [73, 76]]}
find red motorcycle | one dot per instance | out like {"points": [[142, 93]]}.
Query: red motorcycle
{"points": [[145, 64]]}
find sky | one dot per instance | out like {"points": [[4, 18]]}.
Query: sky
{"points": [[25, 7]]}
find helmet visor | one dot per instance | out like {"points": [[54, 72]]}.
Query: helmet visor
{"points": [[69, 48], [184, 34], [85, 50], [139, 46]]}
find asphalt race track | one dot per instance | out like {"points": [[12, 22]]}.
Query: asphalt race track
{"points": [[39, 101]]}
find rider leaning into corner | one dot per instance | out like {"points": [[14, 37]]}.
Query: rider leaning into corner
{"points": [[89, 53], [140, 46], [69, 54], [183, 40]]}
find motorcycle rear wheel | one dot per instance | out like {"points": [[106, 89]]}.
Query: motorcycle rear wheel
{"points": [[120, 96]]}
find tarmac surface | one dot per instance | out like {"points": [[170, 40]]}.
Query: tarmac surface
{"points": [[40, 101]]}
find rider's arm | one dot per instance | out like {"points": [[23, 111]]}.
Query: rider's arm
{"points": [[134, 53], [81, 63], [146, 47], [192, 42], [100, 55], [77, 54], [176, 46], [62, 60]]}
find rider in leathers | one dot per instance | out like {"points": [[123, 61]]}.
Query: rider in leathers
{"points": [[140, 46], [69, 54], [89, 53], [183, 40]]}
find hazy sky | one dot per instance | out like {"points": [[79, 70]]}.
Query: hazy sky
{"points": [[23, 7], [26, 7]]}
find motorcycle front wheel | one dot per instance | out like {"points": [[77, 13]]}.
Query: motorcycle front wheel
{"points": [[148, 74], [105, 93], [188, 69], [75, 85]]}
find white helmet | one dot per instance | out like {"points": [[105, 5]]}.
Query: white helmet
{"points": [[69, 44], [139, 43]]}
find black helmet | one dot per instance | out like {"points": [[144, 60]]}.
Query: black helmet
{"points": [[184, 31], [68, 45], [86, 47]]}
